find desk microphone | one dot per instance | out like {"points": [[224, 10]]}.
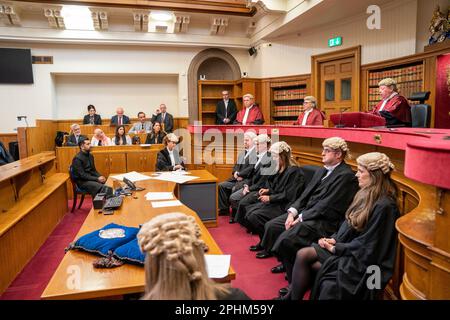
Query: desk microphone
{"points": [[340, 118]]}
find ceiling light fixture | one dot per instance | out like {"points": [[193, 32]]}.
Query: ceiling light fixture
{"points": [[161, 15], [77, 18]]}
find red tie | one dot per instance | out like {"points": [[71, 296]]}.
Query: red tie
{"points": [[120, 121]]}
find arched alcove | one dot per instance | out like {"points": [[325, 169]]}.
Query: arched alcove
{"points": [[215, 64]]}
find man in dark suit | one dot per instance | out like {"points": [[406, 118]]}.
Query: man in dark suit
{"points": [[242, 172], [5, 156], [83, 169], [75, 136], [163, 117], [318, 212], [119, 118], [226, 110]]}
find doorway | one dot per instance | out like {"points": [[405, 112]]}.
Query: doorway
{"points": [[336, 80]]}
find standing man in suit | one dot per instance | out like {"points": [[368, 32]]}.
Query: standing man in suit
{"points": [[226, 110], [75, 136], [162, 116], [250, 114], [119, 119]]}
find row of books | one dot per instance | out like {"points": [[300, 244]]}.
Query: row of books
{"points": [[413, 73], [283, 122], [405, 89], [289, 94], [292, 110]]}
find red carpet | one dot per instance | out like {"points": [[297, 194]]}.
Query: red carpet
{"points": [[252, 275]]}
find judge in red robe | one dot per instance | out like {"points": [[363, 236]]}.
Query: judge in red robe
{"points": [[393, 107], [250, 114], [310, 115]]}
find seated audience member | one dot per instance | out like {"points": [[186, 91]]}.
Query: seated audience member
{"points": [[168, 158], [92, 117], [5, 156], [310, 116], [119, 118], [75, 135], [163, 117], [241, 174], [143, 126], [226, 110], [393, 107], [250, 114], [175, 267], [83, 169], [367, 237], [319, 210], [156, 136], [262, 170], [279, 191], [120, 137], [100, 139]]}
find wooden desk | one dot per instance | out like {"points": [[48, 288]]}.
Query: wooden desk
{"points": [[102, 283], [33, 199]]}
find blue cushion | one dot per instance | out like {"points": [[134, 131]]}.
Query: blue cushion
{"points": [[105, 240], [130, 252]]}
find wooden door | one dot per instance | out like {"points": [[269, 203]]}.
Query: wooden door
{"points": [[117, 163], [102, 163], [336, 88]]}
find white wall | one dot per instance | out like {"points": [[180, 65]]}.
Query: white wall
{"points": [[74, 93], [40, 101], [290, 56]]}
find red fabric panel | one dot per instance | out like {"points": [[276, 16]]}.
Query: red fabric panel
{"points": [[442, 110]]}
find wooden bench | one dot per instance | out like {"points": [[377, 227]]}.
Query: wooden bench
{"points": [[33, 199]]}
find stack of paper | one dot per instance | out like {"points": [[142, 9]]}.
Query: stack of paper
{"points": [[163, 204], [174, 177], [132, 176], [159, 196], [217, 265]]}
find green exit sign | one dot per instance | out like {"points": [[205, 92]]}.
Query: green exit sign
{"points": [[335, 42]]}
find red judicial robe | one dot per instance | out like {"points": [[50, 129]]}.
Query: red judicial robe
{"points": [[315, 118], [255, 116], [397, 106]]}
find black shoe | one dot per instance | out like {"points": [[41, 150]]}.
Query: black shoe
{"points": [[278, 269], [256, 247], [224, 212], [232, 220], [283, 291], [263, 254]]}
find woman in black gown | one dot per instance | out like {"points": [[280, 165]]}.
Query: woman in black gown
{"points": [[357, 261], [280, 190]]}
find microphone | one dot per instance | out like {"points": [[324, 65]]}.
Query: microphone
{"points": [[340, 118]]}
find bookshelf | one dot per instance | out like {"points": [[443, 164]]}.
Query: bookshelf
{"points": [[287, 100], [409, 78], [210, 92]]}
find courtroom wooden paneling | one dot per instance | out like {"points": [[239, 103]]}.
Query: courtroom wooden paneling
{"points": [[33, 199], [6, 138]]}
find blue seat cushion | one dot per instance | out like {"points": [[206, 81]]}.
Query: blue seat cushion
{"points": [[105, 240], [130, 252]]}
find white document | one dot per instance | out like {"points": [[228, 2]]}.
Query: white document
{"points": [[159, 196], [177, 178], [217, 265], [163, 204], [132, 176]]}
